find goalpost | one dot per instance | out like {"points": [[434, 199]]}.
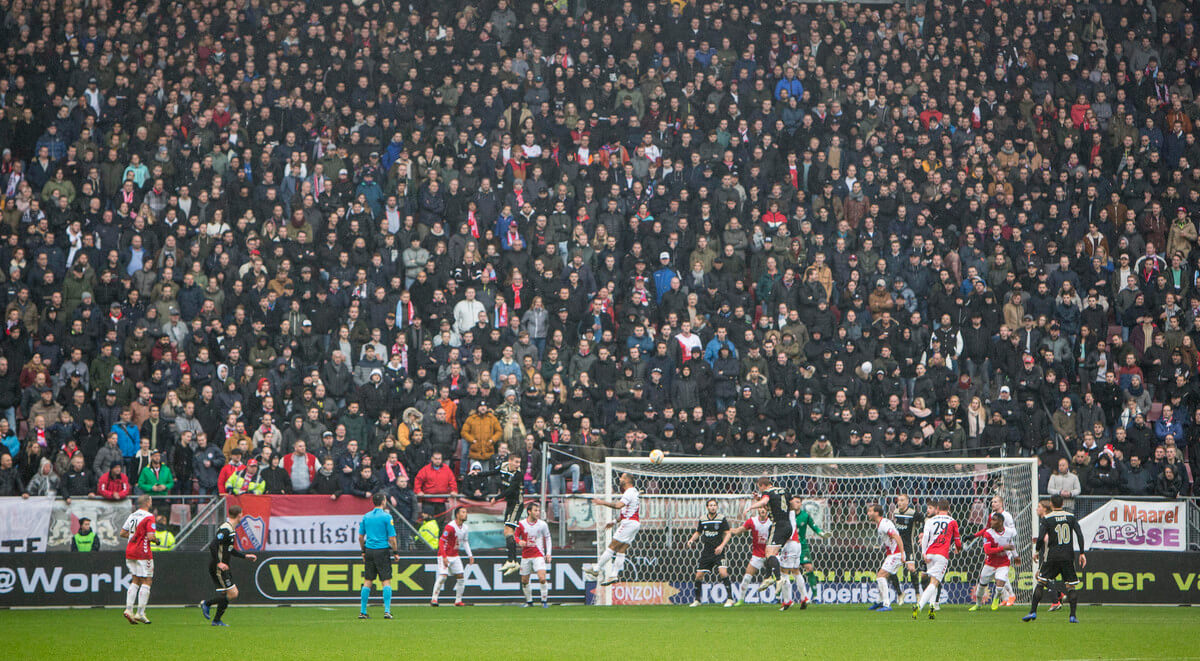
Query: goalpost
{"points": [[836, 492]]}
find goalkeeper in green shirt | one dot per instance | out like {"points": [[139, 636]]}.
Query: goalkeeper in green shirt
{"points": [[797, 555]]}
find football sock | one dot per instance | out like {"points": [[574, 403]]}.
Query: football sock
{"points": [[221, 602], [511, 543], [928, 597], [459, 586], [363, 596], [786, 591], [804, 588], [605, 558], [619, 563], [812, 580], [143, 599], [1037, 597], [437, 586], [1073, 600], [728, 586], [545, 586], [697, 588], [131, 597], [980, 593], [884, 597], [894, 583], [527, 590], [937, 594], [387, 598], [746, 580]]}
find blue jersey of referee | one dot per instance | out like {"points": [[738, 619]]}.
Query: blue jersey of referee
{"points": [[376, 526]]}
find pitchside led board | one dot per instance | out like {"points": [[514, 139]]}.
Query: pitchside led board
{"points": [[333, 579]]}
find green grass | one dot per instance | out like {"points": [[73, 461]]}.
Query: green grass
{"points": [[746, 633]]}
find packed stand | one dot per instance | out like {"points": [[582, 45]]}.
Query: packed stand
{"points": [[263, 248]]}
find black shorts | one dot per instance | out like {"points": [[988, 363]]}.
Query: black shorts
{"points": [[1055, 568], [222, 578], [781, 534], [513, 513], [710, 563], [378, 564]]}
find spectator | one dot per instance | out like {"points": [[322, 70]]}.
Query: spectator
{"points": [[301, 467], [44, 483], [364, 483], [327, 482], [249, 480], [402, 499], [436, 479], [1065, 483], [10, 479], [480, 432], [278, 480], [1168, 483], [208, 463], [114, 485], [78, 479], [156, 479]]}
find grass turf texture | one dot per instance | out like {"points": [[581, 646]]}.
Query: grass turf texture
{"points": [[578, 632]]}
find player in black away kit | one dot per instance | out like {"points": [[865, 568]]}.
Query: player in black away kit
{"points": [[713, 532], [775, 499], [908, 520], [1061, 533], [512, 485], [222, 549]]}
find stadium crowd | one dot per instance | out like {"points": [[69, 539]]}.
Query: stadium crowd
{"points": [[343, 247]]}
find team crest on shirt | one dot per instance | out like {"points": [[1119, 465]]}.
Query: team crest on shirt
{"points": [[252, 533]]}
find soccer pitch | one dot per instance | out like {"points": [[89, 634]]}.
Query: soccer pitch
{"points": [[579, 632]]}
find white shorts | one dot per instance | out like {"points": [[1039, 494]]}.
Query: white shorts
{"points": [[936, 566], [532, 565], [140, 568], [789, 556], [626, 530], [989, 572], [892, 563], [757, 562], [449, 566]]}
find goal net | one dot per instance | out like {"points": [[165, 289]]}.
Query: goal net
{"points": [[659, 568]]}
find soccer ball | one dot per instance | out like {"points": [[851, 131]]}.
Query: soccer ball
{"points": [[656, 456]]}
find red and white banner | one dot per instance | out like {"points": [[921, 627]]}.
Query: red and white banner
{"points": [[299, 523], [1137, 525]]}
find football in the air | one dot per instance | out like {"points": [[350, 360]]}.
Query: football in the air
{"points": [[656, 456]]}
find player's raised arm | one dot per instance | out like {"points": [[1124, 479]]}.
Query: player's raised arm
{"points": [[761, 502], [613, 504]]}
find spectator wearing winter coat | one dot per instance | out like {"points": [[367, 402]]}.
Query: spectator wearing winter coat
{"points": [[401, 497], [435, 478], [10, 479], [108, 455], [1104, 479], [78, 479], [327, 482], [1168, 483], [1138, 477], [156, 479], [276, 478], [207, 463], [114, 485], [481, 431], [45, 482]]}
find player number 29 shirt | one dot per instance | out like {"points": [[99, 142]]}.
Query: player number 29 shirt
{"points": [[940, 532]]}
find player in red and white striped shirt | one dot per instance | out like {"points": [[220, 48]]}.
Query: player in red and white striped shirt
{"points": [[893, 555], [533, 536], [453, 537], [940, 532], [759, 528], [139, 529], [627, 525], [998, 550]]}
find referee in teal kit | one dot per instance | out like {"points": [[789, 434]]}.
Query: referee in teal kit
{"points": [[377, 537]]}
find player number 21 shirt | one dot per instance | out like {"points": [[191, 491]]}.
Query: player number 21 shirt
{"points": [[140, 526]]}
